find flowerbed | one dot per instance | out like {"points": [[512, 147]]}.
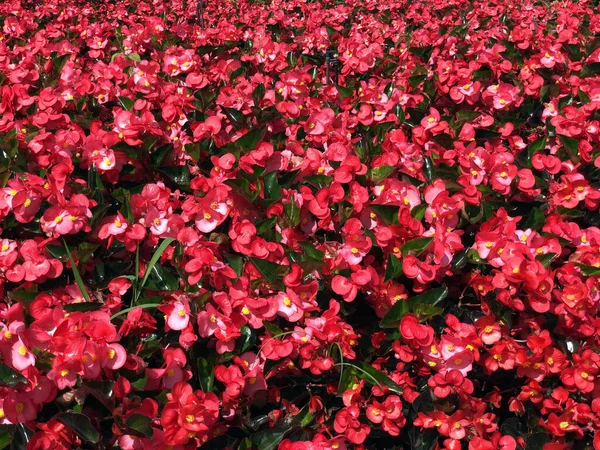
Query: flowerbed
{"points": [[304, 226]]}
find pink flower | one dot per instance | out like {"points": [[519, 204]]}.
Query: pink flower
{"points": [[22, 358]]}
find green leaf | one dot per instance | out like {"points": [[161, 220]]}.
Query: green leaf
{"points": [[403, 307], [374, 377], [546, 259], [268, 439], [155, 257], [536, 219], [162, 279], [10, 377], [180, 175], [59, 62], [292, 213], [266, 225], [80, 424], [571, 146], [236, 117], [77, 275], [418, 212], [5, 437], [423, 439], [589, 271], [21, 437], [274, 329], [428, 168], [56, 250], [378, 174], [537, 146], [134, 57], [236, 262], [393, 268], [250, 140], [206, 375], [141, 424], [318, 180], [269, 270], [258, 94], [246, 443], [248, 338], [344, 91], [388, 213], [126, 103], [536, 441], [416, 246], [311, 252], [159, 154], [94, 180], [583, 97], [272, 188]]}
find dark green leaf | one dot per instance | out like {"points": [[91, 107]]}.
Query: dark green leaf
{"points": [[571, 146], [180, 175], [272, 188], [378, 174], [546, 259], [320, 180], [418, 212], [292, 213], [5, 436], [416, 246], [266, 225], [10, 377], [141, 424], [589, 271], [374, 377], [250, 140], [56, 250], [402, 307], [206, 375], [274, 329], [344, 92], [21, 437], [94, 180], [159, 154], [269, 270], [236, 117], [393, 268], [428, 168], [258, 94], [126, 102], [423, 439], [536, 441], [248, 338], [80, 424], [155, 257], [311, 252], [59, 62], [388, 213], [268, 439], [536, 219], [537, 146], [236, 262]]}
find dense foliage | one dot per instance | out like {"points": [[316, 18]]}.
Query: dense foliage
{"points": [[305, 226]]}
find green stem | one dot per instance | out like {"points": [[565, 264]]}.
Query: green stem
{"points": [[147, 305]]}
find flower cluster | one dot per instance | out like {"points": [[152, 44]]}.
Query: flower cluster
{"points": [[300, 225]]}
